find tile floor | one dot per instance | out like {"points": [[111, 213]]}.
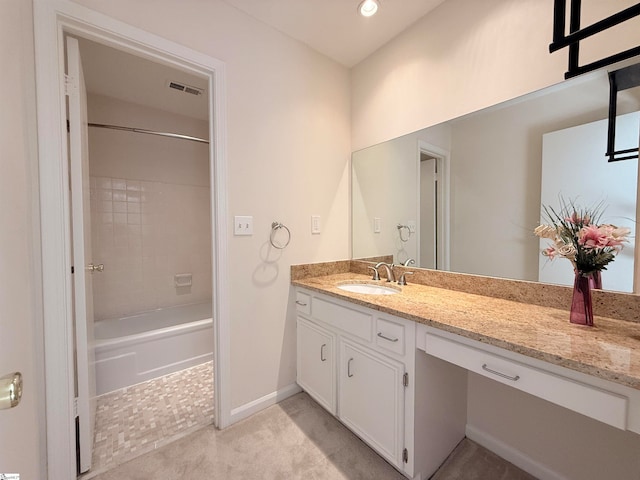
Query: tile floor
{"points": [[140, 418]]}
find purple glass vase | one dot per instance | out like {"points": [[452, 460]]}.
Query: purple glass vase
{"points": [[581, 306], [596, 280]]}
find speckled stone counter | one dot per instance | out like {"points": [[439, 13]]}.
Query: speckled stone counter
{"points": [[610, 350]]}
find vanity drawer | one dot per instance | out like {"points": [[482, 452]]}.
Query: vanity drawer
{"points": [[588, 400], [303, 302], [344, 318], [390, 335]]}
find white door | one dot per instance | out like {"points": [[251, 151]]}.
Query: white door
{"points": [[81, 236], [371, 399], [316, 363], [19, 426]]}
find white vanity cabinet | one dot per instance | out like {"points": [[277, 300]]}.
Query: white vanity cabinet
{"points": [[371, 398], [611, 403], [363, 367], [317, 363]]}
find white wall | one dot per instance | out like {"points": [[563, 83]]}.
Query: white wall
{"points": [[288, 153], [150, 209], [562, 441], [20, 318], [464, 56]]}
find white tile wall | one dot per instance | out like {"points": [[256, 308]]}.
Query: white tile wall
{"points": [[144, 233]]}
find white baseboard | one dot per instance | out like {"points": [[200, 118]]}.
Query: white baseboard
{"points": [[517, 457], [272, 398]]}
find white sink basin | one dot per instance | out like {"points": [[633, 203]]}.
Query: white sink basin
{"points": [[368, 288]]}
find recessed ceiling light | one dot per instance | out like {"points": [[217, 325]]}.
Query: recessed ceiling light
{"points": [[368, 8]]}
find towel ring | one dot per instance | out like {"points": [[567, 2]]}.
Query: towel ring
{"points": [[275, 226], [400, 229]]}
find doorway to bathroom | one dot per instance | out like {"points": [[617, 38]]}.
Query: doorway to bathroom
{"points": [[52, 22], [146, 299]]}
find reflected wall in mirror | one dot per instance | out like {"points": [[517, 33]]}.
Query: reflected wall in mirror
{"points": [[487, 192]]}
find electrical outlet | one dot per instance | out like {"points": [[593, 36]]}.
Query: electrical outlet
{"points": [[412, 226], [315, 224], [242, 225]]}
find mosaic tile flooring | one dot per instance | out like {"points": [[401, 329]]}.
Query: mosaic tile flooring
{"points": [[140, 418]]}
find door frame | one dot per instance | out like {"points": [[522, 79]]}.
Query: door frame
{"points": [[444, 208], [52, 19]]}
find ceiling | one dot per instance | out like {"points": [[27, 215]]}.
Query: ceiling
{"points": [[114, 73], [334, 27]]}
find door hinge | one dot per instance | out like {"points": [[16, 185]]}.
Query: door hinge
{"points": [[72, 269], [70, 85], [405, 455], [405, 379]]}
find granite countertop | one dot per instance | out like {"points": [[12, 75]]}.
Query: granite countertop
{"points": [[610, 350]]}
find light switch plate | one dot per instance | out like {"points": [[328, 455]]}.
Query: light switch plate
{"points": [[412, 226], [243, 225], [315, 224], [376, 224]]}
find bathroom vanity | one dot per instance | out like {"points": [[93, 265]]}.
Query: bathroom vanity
{"points": [[363, 367], [393, 368]]}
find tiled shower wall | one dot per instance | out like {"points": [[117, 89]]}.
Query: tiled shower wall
{"points": [[146, 232], [150, 209]]}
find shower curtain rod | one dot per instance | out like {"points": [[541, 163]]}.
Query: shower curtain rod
{"points": [[149, 132]]}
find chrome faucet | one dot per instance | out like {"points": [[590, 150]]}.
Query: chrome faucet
{"points": [[376, 274], [403, 281], [389, 268], [408, 261]]}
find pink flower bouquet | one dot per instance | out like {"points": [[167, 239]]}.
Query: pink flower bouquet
{"points": [[575, 235]]}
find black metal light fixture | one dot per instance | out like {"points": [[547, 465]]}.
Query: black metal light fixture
{"points": [[577, 33], [619, 80]]}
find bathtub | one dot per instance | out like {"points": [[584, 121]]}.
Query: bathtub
{"points": [[135, 349]]}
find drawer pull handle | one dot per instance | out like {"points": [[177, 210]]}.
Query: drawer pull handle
{"points": [[500, 374], [382, 335], [302, 304], [349, 374], [322, 357]]}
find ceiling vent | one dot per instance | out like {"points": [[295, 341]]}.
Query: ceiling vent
{"points": [[185, 88]]}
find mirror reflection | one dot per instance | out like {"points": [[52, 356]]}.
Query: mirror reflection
{"points": [[466, 195]]}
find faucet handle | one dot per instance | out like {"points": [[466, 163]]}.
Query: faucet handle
{"points": [[376, 274], [403, 281]]}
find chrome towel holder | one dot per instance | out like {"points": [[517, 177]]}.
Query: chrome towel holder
{"points": [[275, 226], [400, 230]]}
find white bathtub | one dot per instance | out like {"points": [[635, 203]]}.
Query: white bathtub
{"points": [[134, 349]]}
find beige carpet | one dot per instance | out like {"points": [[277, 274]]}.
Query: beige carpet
{"points": [[295, 439], [470, 461]]}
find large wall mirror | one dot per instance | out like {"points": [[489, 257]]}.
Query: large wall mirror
{"points": [[466, 195]]}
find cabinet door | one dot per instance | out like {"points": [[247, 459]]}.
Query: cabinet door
{"points": [[316, 363], [371, 399]]}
